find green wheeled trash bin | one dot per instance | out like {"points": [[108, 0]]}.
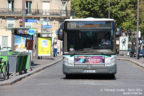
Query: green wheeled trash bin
{"points": [[4, 67]]}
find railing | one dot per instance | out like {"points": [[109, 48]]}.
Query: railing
{"points": [[36, 12], [10, 12]]}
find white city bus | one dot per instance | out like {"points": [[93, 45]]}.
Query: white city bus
{"points": [[88, 46]]}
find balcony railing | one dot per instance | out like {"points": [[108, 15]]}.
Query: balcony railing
{"points": [[36, 12]]}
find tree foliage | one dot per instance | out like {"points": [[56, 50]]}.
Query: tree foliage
{"points": [[123, 11], [142, 16]]}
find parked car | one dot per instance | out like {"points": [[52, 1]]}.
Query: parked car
{"points": [[132, 53], [141, 53]]}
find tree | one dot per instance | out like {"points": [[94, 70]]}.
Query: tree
{"points": [[142, 16], [123, 11], [90, 8]]}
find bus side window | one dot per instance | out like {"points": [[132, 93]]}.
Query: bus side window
{"points": [[61, 32]]}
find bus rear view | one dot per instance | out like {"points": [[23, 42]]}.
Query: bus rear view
{"points": [[89, 46]]}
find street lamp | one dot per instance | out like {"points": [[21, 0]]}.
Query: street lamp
{"points": [[137, 32]]}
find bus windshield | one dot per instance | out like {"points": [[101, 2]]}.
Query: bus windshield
{"points": [[91, 38]]}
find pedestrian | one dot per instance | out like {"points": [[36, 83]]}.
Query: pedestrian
{"points": [[55, 48]]}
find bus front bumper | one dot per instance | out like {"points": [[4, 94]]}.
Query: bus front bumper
{"points": [[89, 70]]}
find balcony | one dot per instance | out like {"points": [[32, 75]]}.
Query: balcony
{"points": [[37, 13]]}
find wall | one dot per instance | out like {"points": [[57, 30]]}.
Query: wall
{"points": [[36, 4]]}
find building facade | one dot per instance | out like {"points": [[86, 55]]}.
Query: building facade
{"points": [[40, 15]]}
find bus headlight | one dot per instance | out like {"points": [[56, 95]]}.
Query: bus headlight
{"points": [[110, 61], [69, 61]]}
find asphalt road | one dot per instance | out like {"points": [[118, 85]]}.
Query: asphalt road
{"points": [[129, 81]]}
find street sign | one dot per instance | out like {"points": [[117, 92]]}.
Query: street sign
{"points": [[31, 20], [20, 31], [31, 31], [47, 26]]}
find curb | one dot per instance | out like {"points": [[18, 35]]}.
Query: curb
{"points": [[36, 70], [135, 62]]}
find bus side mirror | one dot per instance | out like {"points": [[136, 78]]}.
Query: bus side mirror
{"points": [[60, 34], [118, 32]]}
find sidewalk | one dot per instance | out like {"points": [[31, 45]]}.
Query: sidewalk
{"points": [[36, 66], [139, 62]]}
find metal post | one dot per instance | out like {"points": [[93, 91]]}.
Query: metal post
{"points": [[23, 13], [41, 27], [41, 21], [137, 30], [109, 9]]}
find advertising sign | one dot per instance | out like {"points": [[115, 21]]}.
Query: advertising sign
{"points": [[29, 44], [20, 41], [89, 59], [123, 43], [44, 46]]}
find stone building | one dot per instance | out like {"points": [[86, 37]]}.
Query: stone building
{"points": [[37, 13]]}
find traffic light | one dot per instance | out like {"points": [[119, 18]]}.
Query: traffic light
{"points": [[20, 23]]}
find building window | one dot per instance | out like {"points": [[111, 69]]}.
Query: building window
{"points": [[45, 7], [63, 5], [11, 5], [10, 23], [4, 41], [28, 24], [63, 8], [28, 7]]}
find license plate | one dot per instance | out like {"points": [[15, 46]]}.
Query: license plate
{"points": [[90, 71]]}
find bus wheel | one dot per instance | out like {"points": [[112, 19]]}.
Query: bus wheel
{"points": [[112, 76], [67, 76]]}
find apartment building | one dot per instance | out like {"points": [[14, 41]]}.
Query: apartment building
{"points": [[41, 15]]}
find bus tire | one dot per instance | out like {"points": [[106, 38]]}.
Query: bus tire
{"points": [[67, 76], [112, 76]]}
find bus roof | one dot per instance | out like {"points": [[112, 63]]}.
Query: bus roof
{"points": [[90, 19]]}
